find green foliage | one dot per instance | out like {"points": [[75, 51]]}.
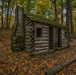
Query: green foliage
{"points": [[42, 8]]}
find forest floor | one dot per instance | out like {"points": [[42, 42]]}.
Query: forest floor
{"points": [[20, 63]]}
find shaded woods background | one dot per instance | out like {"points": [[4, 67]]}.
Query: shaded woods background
{"points": [[60, 11]]}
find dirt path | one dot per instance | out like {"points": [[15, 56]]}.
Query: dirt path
{"points": [[21, 63]]}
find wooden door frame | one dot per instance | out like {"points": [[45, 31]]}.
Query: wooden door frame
{"points": [[52, 38]]}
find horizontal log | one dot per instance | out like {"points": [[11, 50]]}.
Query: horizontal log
{"points": [[64, 40], [45, 35], [64, 44], [19, 34], [45, 26], [27, 28], [27, 48], [45, 31], [20, 18], [63, 37], [44, 38], [63, 34], [28, 22], [27, 36], [20, 30], [27, 40], [27, 33], [26, 19], [56, 69], [38, 25], [41, 45], [20, 25], [43, 48], [41, 42], [27, 44]]}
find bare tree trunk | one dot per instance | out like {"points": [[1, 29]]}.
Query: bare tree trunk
{"points": [[11, 13], [55, 10], [71, 20], [10, 16], [2, 15], [7, 18], [68, 18], [67, 13], [28, 7], [62, 12]]}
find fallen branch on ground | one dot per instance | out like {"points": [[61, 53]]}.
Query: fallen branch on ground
{"points": [[60, 67]]}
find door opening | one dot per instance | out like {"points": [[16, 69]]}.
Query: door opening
{"points": [[59, 37], [51, 40]]}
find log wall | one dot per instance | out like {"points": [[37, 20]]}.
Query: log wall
{"points": [[65, 38], [42, 43], [29, 34], [25, 34]]}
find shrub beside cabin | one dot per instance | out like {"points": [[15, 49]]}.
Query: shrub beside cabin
{"points": [[37, 36]]}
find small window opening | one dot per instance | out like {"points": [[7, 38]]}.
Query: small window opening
{"points": [[65, 34], [39, 32]]}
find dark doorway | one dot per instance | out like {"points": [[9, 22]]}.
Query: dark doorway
{"points": [[59, 37], [51, 40]]}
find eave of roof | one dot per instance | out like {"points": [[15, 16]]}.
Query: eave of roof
{"points": [[37, 18]]}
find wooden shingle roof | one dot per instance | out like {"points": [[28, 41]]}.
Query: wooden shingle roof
{"points": [[44, 20]]}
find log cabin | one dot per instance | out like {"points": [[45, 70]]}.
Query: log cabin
{"points": [[37, 36]]}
